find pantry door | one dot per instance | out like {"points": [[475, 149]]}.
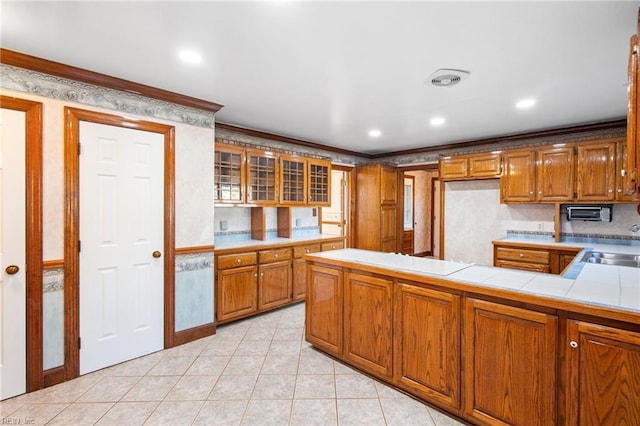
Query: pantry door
{"points": [[121, 277], [13, 285]]}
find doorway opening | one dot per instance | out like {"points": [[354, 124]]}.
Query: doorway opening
{"points": [[420, 210], [336, 219]]}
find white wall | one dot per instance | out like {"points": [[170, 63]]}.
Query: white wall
{"points": [[473, 217]]}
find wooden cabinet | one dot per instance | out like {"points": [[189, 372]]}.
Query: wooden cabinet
{"points": [[229, 165], [555, 173], [324, 321], [376, 208], [274, 280], [603, 386], [319, 182], [532, 257], [368, 338], [265, 178], [333, 245], [525, 259], [299, 281], [474, 166], [596, 180], [518, 180], [236, 286], [427, 343], [293, 184], [262, 173], [633, 119], [509, 364], [623, 177]]}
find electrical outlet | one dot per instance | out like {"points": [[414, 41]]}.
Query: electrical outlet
{"points": [[541, 227], [223, 225], [298, 223]]}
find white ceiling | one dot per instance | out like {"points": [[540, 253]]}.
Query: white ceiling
{"points": [[328, 72]]}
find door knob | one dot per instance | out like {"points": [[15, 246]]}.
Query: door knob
{"points": [[12, 269], [156, 254]]}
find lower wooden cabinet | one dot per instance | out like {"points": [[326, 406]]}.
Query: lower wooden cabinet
{"points": [[237, 292], [528, 257], [324, 309], [299, 284], [603, 375], [509, 364], [274, 285], [368, 324], [427, 343]]}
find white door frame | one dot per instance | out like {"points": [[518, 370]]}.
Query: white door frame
{"points": [[73, 117], [33, 231]]}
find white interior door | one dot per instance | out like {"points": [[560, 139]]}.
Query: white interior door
{"points": [[121, 226], [13, 364]]}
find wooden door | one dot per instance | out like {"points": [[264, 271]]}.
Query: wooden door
{"points": [[236, 292], [596, 171], [518, 179], [122, 231], [427, 344], [299, 284], [509, 364], [13, 244], [633, 119], [293, 184], [555, 174], [368, 323], [324, 309], [604, 371], [229, 182], [274, 284]]}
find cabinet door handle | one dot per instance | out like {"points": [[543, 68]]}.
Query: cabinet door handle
{"points": [[573, 344], [521, 255]]}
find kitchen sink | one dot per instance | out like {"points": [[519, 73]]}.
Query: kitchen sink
{"points": [[618, 259]]}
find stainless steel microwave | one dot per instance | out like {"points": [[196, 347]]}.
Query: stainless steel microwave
{"points": [[601, 213]]}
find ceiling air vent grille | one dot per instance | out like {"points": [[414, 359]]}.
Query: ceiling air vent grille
{"points": [[447, 77]]}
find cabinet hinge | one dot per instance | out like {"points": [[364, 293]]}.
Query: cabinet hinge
{"points": [[79, 343], [79, 246], [575, 150], [575, 195], [79, 148]]}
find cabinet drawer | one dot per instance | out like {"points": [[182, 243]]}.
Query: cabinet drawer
{"points": [[531, 256], [228, 261], [333, 245], [534, 267], [267, 256], [302, 250]]}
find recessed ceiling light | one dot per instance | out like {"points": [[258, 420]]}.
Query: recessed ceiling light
{"points": [[525, 103], [190, 56], [375, 133], [437, 121]]}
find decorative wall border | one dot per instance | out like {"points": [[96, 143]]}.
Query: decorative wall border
{"points": [[50, 86]]}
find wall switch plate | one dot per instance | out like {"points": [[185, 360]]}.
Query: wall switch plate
{"points": [[314, 212], [298, 223], [223, 225]]}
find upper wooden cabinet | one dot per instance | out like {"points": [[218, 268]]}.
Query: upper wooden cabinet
{"points": [[575, 172], [264, 178], [596, 179], [633, 118], [518, 180], [623, 178], [376, 208], [293, 185], [319, 182], [554, 173], [229, 174], [474, 166]]}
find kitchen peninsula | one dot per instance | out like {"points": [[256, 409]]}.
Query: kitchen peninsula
{"points": [[490, 345]]}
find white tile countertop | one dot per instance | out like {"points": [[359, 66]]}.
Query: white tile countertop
{"points": [[607, 286]]}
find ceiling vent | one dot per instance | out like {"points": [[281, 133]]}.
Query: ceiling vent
{"points": [[447, 77]]}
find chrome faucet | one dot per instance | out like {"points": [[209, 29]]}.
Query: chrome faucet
{"points": [[635, 228]]}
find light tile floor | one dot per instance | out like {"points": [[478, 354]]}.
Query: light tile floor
{"points": [[258, 371]]}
